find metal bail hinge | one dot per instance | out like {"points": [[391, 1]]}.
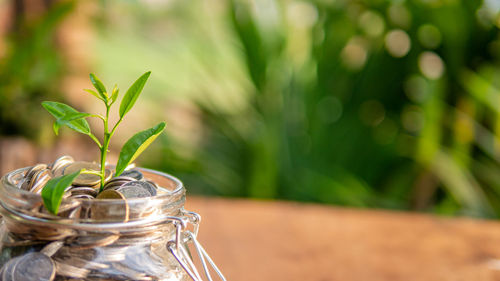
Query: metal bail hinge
{"points": [[181, 252]]}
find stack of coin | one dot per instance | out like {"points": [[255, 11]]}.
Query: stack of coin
{"points": [[36, 178], [35, 252], [60, 164], [56, 261]]}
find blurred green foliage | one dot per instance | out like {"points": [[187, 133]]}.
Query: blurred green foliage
{"points": [[386, 104], [367, 103], [31, 67]]}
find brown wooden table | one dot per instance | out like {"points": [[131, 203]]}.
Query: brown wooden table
{"points": [[255, 240]]}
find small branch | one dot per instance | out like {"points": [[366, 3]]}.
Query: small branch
{"points": [[95, 140], [98, 116], [116, 126]]}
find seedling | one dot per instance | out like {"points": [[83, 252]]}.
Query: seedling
{"points": [[65, 115]]}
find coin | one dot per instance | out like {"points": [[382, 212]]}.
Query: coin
{"points": [[110, 194], [116, 182], [35, 169], [83, 190], [145, 260], [111, 253], [39, 180], [60, 253], [71, 213], [52, 248], [70, 271], [91, 241], [137, 189], [82, 263], [28, 178], [8, 269], [130, 273], [60, 163], [68, 205], [133, 174], [153, 183], [115, 211], [34, 266], [67, 252]]}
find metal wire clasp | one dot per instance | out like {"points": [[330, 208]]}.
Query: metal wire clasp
{"points": [[181, 252]]}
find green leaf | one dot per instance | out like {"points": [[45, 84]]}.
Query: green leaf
{"points": [[94, 94], [56, 127], [64, 113], [132, 94], [114, 94], [53, 191], [99, 87], [68, 118], [136, 145]]}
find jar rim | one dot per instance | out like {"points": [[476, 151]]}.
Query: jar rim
{"points": [[6, 181], [13, 199]]}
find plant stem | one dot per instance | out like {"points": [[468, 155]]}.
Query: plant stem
{"points": [[104, 148]]}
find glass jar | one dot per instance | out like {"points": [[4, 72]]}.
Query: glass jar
{"points": [[105, 239]]}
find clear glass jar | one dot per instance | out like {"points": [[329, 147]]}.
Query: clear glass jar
{"points": [[142, 239]]}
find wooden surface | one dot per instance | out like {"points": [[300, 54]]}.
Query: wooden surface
{"points": [[252, 240]]}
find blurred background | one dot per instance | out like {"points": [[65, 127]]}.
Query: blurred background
{"points": [[364, 103]]}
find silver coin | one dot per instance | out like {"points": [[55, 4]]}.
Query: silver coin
{"points": [[111, 253], [82, 263], [146, 261], [114, 185], [82, 196], [83, 190], [39, 180], [68, 206], [130, 273], [34, 266], [67, 252], [71, 213], [89, 242], [133, 174], [68, 270], [52, 248], [8, 269], [116, 211], [137, 189], [29, 177], [35, 169], [152, 183], [116, 182], [61, 162]]}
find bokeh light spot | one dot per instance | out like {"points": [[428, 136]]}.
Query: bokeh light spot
{"points": [[429, 36], [412, 118], [415, 88], [399, 15], [372, 23], [302, 14], [431, 65], [397, 43], [354, 54]]}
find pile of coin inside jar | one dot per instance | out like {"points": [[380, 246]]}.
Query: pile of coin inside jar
{"points": [[30, 252]]}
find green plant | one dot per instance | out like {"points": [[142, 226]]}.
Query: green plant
{"points": [[67, 116]]}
